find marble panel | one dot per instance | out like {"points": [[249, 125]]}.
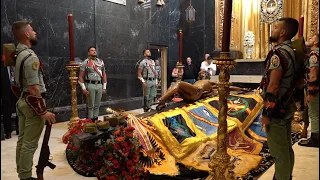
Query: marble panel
{"points": [[59, 3], [174, 13], [84, 32], [32, 11], [103, 35], [137, 12], [83, 5], [8, 12], [112, 9], [116, 89], [209, 13], [193, 44], [163, 35], [57, 81], [37, 1], [58, 34], [138, 39], [209, 39]]}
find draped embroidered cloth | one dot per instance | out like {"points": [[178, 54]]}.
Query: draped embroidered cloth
{"points": [[187, 135]]}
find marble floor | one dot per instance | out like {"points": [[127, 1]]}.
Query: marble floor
{"points": [[306, 159]]}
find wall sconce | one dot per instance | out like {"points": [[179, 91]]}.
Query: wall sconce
{"points": [[160, 2], [190, 13]]}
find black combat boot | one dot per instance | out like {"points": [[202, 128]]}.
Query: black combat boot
{"points": [[145, 108], [313, 141], [94, 119], [274, 177], [30, 178]]}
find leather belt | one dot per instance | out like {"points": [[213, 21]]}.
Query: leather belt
{"points": [[25, 94], [150, 79], [93, 82]]}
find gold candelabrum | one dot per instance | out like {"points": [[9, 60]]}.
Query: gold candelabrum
{"points": [[73, 68], [180, 67], [220, 164]]}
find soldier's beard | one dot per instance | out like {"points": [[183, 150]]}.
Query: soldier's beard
{"points": [[273, 39], [33, 42]]}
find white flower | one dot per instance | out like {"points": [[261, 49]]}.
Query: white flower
{"points": [[248, 39]]}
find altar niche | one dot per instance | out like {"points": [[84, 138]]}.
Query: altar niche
{"points": [[159, 53]]}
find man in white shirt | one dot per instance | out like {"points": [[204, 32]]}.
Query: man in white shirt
{"points": [[208, 65]]}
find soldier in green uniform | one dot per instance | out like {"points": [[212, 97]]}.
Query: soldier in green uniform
{"points": [[31, 108], [313, 93], [279, 106], [93, 81], [147, 75]]}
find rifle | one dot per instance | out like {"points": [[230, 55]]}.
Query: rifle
{"points": [[44, 154]]}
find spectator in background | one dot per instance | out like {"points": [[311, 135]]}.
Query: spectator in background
{"points": [[190, 72], [175, 74], [208, 65]]}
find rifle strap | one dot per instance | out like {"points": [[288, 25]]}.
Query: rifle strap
{"points": [[22, 65]]}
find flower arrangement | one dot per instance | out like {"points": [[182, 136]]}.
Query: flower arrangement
{"points": [[249, 39], [78, 128], [115, 158], [121, 158]]}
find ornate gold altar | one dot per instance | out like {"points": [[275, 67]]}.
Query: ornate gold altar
{"points": [[246, 16]]}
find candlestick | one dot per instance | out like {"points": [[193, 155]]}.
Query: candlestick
{"points": [[301, 21], [73, 68], [226, 25], [180, 46], [220, 164]]}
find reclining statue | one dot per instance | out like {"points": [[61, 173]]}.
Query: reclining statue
{"points": [[192, 92]]}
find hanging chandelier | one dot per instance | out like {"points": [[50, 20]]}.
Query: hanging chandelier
{"points": [[190, 13]]}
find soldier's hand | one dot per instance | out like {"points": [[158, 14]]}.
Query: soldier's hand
{"points": [[86, 92], [103, 91], [49, 117], [144, 84], [265, 120], [310, 98]]}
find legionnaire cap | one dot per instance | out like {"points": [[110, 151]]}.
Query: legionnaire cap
{"points": [[8, 54]]}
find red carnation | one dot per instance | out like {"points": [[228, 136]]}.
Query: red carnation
{"points": [[131, 170], [117, 146], [74, 148], [121, 128], [120, 139], [129, 129], [118, 132], [135, 158], [124, 173]]}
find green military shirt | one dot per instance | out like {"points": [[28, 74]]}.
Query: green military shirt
{"points": [[148, 68], [89, 66], [313, 60], [287, 78], [31, 69]]}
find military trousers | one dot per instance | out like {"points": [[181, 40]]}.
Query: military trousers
{"points": [[280, 146], [30, 127], [149, 93], [313, 112], [94, 99]]}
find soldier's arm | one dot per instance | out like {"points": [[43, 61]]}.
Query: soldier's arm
{"points": [[270, 97], [82, 73], [274, 84], [104, 75], [31, 73], [34, 99], [313, 84], [139, 72]]}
